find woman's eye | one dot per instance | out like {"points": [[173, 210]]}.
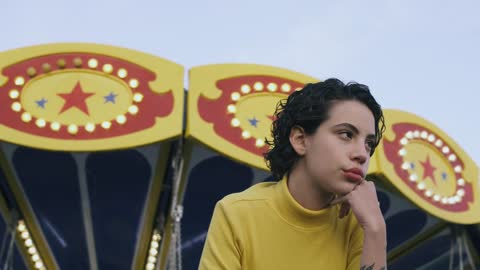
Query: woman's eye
{"points": [[370, 145], [346, 134]]}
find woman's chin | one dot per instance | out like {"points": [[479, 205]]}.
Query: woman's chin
{"points": [[345, 188]]}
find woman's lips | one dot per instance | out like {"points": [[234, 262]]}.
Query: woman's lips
{"points": [[353, 176]]}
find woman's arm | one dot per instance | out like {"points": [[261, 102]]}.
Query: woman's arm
{"points": [[365, 206], [374, 255]]}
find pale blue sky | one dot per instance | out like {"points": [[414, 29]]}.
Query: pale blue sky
{"points": [[418, 56]]}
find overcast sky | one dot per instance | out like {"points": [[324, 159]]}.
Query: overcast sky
{"points": [[419, 56]]}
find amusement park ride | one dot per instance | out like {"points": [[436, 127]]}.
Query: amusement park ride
{"points": [[108, 162]]}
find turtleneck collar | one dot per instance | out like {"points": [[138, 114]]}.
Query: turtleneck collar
{"points": [[299, 216]]}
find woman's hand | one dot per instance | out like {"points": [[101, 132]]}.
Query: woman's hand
{"points": [[365, 206]]}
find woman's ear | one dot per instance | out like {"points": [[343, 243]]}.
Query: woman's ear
{"points": [[297, 140]]}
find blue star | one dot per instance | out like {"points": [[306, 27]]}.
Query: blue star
{"points": [[412, 165], [253, 121], [444, 175], [41, 102], [110, 98]]}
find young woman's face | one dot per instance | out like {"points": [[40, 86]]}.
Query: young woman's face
{"points": [[337, 155]]}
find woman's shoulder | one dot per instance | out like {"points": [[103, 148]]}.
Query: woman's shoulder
{"points": [[256, 193]]}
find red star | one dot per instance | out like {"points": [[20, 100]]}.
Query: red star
{"points": [[428, 170], [76, 98]]}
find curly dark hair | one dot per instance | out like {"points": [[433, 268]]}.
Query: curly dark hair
{"points": [[308, 108]]}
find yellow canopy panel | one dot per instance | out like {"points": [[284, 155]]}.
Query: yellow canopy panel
{"points": [[86, 97], [428, 167], [231, 106]]}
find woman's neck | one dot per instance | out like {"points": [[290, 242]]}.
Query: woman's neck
{"points": [[306, 191]]}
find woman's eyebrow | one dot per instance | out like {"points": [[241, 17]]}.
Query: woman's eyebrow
{"points": [[354, 129]]}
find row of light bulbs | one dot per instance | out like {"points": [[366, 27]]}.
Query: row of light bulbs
{"points": [[153, 251], [24, 234]]}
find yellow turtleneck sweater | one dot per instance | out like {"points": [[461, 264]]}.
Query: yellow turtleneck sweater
{"points": [[264, 228]]}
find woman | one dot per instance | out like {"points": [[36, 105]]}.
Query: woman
{"points": [[321, 213]]}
